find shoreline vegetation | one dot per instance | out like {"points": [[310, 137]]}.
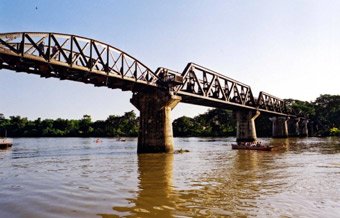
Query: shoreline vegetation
{"points": [[323, 113]]}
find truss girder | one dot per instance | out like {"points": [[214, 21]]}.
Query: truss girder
{"points": [[71, 57], [77, 53], [203, 86], [203, 82], [271, 103]]}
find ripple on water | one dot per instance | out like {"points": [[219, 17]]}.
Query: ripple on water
{"points": [[79, 178]]}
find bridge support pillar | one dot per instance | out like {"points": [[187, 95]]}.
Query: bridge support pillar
{"points": [[155, 130], [304, 128], [279, 127], [297, 126], [245, 125]]}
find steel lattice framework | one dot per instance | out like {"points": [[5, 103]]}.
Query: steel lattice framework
{"points": [[71, 57], [205, 87]]}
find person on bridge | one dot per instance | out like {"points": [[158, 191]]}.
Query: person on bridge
{"points": [[41, 47], [54, 51]]}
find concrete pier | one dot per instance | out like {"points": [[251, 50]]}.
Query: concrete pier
{"points": [[304, 131], [155, 131], [245, 125], [297, 126], [279, 127]]}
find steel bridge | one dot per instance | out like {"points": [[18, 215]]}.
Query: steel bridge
{"points": [[72, 57]]}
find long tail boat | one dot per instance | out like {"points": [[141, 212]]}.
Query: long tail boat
{"points": [[251, 146], [5, 143]]}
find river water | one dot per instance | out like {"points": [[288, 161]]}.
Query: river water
{"points": [[79, 177]]}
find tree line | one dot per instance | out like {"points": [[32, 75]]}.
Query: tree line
{"points": [[323, 114], [113, 126]]}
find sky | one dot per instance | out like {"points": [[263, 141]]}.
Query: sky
{"points": [[288, 48]]}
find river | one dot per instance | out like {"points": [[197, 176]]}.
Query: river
{"points": [[79, 177]]}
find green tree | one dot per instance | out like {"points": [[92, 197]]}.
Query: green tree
{"points": [[184, 126], [301, 108], [17, 125], [126, 125], [215, 122], [85, 128], [4, 125], [327, 113]]}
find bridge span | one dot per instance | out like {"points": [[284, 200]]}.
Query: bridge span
{"points": [[155, 94]]}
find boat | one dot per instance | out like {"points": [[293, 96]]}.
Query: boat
{"points": [[251, 146], [121, 139], [5, 143]]}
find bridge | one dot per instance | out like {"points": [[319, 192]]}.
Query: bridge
{"points": [[155, 94]]}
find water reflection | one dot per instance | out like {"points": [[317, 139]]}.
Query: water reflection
{"points": [[230, 185], [154, 197], [233, 189], [330, 145]]}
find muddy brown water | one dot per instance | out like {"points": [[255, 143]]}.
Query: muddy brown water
{"points": [[82, 177]]}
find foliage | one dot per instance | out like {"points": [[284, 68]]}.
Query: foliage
{"points": [[16, 126], [214, 123], [185, 126], [323, 114], [301, 108], [327, 112], [334, 131]]}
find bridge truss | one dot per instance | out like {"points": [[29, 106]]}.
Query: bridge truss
{"points": [[71, 57], [205, 87], [75, 58]]}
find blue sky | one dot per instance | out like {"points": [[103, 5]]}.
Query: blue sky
{"points": [[288, 48]]}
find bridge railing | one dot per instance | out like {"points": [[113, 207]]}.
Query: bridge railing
{"points": [[78, 53]]}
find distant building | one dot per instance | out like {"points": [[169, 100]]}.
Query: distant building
{"points": [[2, 116]]}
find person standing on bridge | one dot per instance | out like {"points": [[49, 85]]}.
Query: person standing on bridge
{"points": [[54, 51], [41, 47]]}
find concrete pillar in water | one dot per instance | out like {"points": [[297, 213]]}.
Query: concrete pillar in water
{"points": [[155, 129], [297, 127], [245, 125], [304, 128], [279, 127], [311, 128]]}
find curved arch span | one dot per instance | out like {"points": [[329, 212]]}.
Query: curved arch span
{"points": [[75, 58]]}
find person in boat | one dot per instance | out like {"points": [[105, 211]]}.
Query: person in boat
{"points": [[242, 143]]}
